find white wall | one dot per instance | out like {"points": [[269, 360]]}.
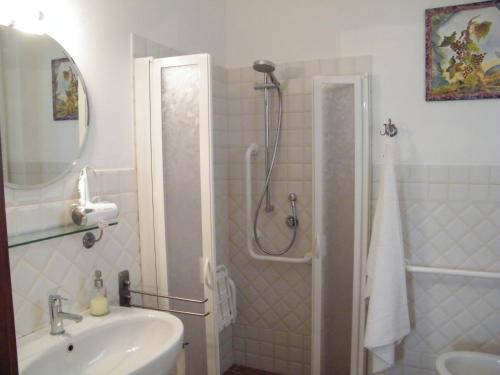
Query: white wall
{"points": [[392, 32], [97, 35]]}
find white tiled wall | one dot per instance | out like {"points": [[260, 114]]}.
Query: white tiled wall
{"points": [[451, 218], [274, 300], [31, 173], [63, 265]]}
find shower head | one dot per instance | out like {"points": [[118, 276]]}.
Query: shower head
{"points": [[264, 66]]}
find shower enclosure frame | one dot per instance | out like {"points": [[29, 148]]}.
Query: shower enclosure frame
{"points": [[149, 164], [362, 177]]}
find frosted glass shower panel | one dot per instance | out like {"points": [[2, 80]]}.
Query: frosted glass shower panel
{"points": [[338, 221], [181, 173], [341, 164], [180, 95]]}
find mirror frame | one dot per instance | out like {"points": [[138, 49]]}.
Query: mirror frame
{"points": [[74, 162]]}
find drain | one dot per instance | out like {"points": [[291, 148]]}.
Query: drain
{"points": [[70, 347]]}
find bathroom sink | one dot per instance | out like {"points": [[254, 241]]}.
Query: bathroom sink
{"points": [[126, 341], [468, 363]]}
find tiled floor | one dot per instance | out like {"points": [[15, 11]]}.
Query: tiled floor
{"points": [[242, 370]]}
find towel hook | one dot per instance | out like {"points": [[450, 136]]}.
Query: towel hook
{"points": [[390, 129]]}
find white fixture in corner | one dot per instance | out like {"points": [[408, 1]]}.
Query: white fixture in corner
{"points": [[468, 363], [127, 341]]}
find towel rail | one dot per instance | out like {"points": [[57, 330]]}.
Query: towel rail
{"points": [[453, 272], [124, 292]]}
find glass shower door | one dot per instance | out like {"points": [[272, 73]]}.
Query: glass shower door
{"points": [[181, 148]]}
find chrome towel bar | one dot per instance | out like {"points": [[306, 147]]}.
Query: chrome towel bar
{"points": [[169, 297], [124, 292], [172, 311]]}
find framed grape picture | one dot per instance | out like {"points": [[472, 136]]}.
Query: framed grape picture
{"points": [[463, 51], [64, 90]]}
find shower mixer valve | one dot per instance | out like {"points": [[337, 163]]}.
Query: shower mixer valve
{"points": [[292, 221]]}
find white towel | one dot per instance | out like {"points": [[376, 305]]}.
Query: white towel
{"points": [[388, 320]]}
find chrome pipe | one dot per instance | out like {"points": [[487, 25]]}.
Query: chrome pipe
{"points": [[267, 121]]}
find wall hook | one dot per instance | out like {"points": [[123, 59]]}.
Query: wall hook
{"points": [[390, 129]]}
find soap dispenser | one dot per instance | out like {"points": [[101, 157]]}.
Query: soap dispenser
{"points": [[99, 302]]}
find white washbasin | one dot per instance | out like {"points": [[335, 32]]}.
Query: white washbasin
{"points": [[127, 341], [468, 363]]}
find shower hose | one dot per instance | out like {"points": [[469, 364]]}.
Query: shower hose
{"points": [[292, 197]]}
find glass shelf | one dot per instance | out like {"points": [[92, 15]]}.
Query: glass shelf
{"points": [[28, 238]]}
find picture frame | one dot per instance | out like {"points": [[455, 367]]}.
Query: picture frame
{"points": [[462, 57], [64, 90]]}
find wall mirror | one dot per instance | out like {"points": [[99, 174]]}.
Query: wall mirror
{"points": [[43, 109]]}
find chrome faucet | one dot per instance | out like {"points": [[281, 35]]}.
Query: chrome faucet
{"points": [[57, 316]]}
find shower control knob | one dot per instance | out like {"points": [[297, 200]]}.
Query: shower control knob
{"points": [[292, 222], [292, 197]]}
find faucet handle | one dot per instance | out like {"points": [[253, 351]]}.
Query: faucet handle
{"points": [[56, 297]]}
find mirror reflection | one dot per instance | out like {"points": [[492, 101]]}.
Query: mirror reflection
{"points": [[43, 109]]}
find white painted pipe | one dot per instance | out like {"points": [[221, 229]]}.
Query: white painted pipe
{"points": [[250, 152], [453, 272]]}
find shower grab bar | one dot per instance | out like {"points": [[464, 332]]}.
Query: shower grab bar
{"points": [[251, 151], [453, 272]]}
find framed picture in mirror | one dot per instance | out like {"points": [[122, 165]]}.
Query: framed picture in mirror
{"points": [[64, 90]]}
